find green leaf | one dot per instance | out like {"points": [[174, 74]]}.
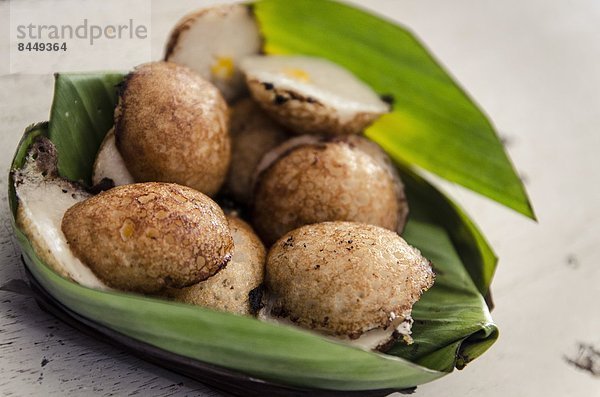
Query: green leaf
{"points": [[434, 124], [452, 321], [83, 105], [429, 204]]}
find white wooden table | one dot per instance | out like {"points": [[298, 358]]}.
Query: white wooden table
{"points": [[535, 67]]}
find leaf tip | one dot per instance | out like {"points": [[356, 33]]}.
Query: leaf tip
{"points": [[526, 208]]}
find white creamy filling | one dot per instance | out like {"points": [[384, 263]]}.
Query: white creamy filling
{"points": [[44, 203], [274, 154], [369, 340], [319, 79], [214, 44], [374, 338], [110, 164]]}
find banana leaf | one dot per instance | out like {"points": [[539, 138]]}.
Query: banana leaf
{"points": [[452, 321], [83, 105], [434, 124]]}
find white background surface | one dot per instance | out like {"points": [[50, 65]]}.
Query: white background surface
{"points": [[535, 68]]}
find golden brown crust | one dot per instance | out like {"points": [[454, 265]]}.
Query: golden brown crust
{"points": [[144, 237], [335, 179], [42, 157], [229, 289], [386, 164], [252, 135], [306, 115], [345, 278], [171, 126]]}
